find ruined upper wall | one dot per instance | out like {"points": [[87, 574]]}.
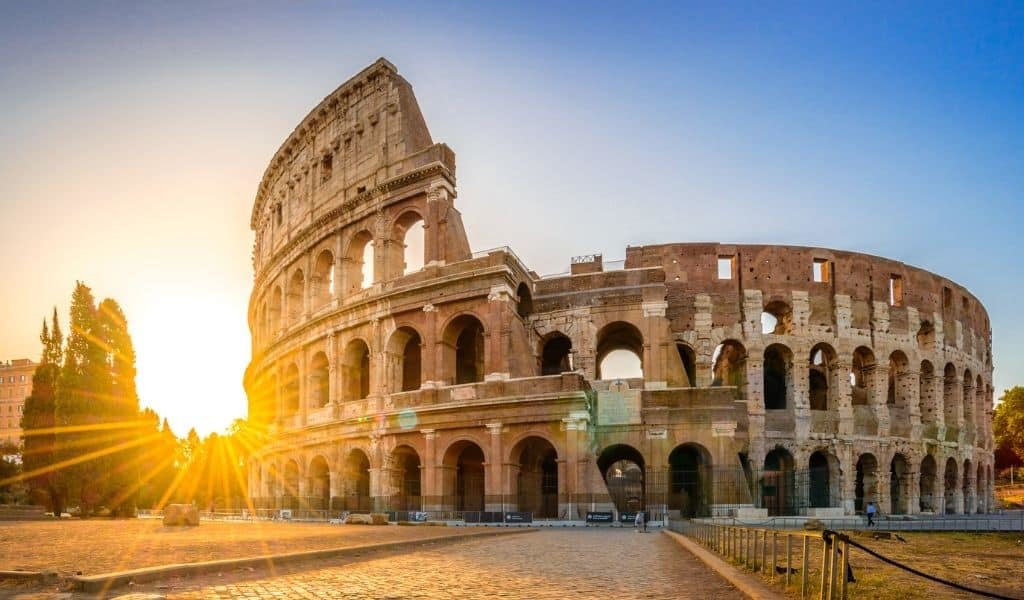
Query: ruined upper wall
{"points": [[692, 268]]}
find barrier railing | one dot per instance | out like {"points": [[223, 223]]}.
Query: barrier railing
{"points": [[771, 552]]}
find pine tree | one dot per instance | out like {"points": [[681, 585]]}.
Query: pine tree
{"points": [[38, 453]]}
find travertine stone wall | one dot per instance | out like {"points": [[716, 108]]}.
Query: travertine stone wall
{"points": [[474, 384]]}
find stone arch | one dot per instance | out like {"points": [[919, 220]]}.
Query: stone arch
{"points": [[861, 369], [290, 390], [967, 401], [555, 354], [464, 349], [464, 485], [685, 372], [296, 291], [318, 496], [866, 482], [624, 471], [408, 235], [405, 478], [274, 311], [822, 377], [535, 462], [319, 381], [405, 360], [616, 341], [777, 318], [951, 480], [524, 300], [898, 394], [729, 366], [355, 370], [355, 478], [360, 248], [900, 481], [290, 485], [967, 475], [929, 500], [690, 480], [778, 377], [323, 285], [824, 476], [778, 483]]}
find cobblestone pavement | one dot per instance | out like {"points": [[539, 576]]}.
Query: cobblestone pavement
{"points": [[587, 563]]}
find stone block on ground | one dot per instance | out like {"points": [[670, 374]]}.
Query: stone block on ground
{"points": [[178, 515]]}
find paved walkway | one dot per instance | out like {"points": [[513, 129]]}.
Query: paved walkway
{"points": [[579, 563]]}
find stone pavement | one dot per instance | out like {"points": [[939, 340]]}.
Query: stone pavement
{"points": [[558, 563]]}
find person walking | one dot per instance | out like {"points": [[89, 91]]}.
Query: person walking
{"points": [[871, 511], [639, 522]]}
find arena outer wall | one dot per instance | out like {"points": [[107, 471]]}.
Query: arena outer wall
{"points": [[775, 379]]}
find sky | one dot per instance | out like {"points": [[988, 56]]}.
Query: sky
{"points": [[133, 136]]}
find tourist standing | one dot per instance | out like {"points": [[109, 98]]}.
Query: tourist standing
{"points": [[871, 511]]}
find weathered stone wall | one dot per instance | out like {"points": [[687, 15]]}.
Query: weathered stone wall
{"points": [[474, 384]]}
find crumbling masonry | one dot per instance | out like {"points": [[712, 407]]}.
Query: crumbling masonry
{"points": [[769, 379]]}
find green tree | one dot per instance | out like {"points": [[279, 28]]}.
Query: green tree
{"points": [[1008, 423], [37, 423]]}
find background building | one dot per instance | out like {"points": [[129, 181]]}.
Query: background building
{"points": [[15, 386], [393, 375]]}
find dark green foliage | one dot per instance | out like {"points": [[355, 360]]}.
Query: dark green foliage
{"points": [[1008, 427], [38, 421]]}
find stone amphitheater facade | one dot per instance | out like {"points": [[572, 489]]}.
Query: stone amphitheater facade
{"points": [[769, 379]]}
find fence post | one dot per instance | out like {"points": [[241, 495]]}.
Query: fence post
{"points": [[825, 549], [764, 549], [789, 556], [775, 561], [846, 567], [803, 572], [833, 563]]}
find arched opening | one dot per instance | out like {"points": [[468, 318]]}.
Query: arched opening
{"points": [[950, 403], [290, 390], [524, 301], [778, 486], [359, 262], [926, 336], [537, 479], [622, 467], [319, 495], [865, 488], [690, 481], [296, 288], [979, 410], [319, 381], [729, 366], [777, 318], [356, 478], [968, 473], [823, 478], [274, 311], [263, 323], [405, 479], [409, 234], [323, 279], [355, 370], [290, 493], [968, 404], [929, 479], [464, 350], [620, 351], [556, 355], [823, 383], [777, 372], [464, 484], [950, 487], [898, 395], [927, 399], [899, 485], [862, 367], [405, 356], [687, 368]]}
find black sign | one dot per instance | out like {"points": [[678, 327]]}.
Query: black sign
{"points": [[627, 517], [519, 517], [600, 517]]}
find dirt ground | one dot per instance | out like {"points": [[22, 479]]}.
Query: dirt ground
{"points": [[985, 561], [91, 547]]}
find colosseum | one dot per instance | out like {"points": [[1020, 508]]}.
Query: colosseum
{"points": [[394, 369]]}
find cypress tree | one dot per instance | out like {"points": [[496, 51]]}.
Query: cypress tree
{"points": [[37, 423]]}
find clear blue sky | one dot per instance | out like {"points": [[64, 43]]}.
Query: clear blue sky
{"points": [[142, 131]]}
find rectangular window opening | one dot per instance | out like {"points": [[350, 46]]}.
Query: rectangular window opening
{"points": [[725, 264], [947, 298], [821, 270], [895, 290]]}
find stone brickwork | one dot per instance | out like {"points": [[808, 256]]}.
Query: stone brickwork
{"points": [[774, 379]]}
